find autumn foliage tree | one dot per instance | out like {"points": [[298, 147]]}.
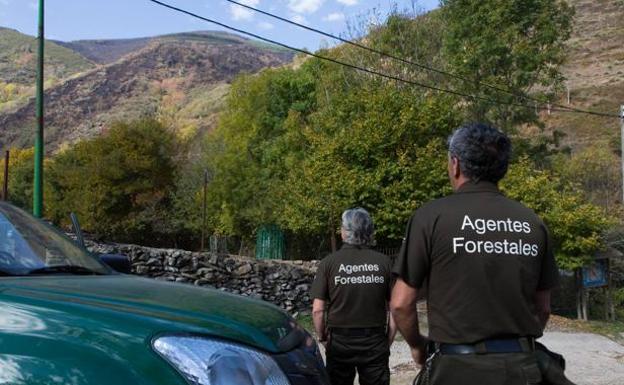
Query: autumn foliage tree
{"points": [[119, 184], [577, 226], [21, 165]]}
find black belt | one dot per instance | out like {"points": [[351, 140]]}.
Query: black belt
{"points": [[493, 346], [358, 332]]}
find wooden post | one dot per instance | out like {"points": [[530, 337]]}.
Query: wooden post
{"points": [[610, 304], [5, 187], [579, 293], [204, 208], [622, 143], [333, 241], [585, 304]]}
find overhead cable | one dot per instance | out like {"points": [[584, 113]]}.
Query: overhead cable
{"points": [[368, 70], [413, 63]]}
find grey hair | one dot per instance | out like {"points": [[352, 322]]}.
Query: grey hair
{"points": [[484, 151], [358, 227]]}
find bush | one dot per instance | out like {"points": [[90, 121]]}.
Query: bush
{"points": [[120, 184]]}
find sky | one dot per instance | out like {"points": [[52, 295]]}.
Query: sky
{"points": [[69, 20]]}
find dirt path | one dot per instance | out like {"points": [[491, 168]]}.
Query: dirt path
{"points": [[591, 359]]}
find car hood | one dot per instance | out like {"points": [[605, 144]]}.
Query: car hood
{"points": [[154, 307]]}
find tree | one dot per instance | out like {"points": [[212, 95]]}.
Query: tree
{"points": [[298, 147], [597, 170], [577, 227], [517, 45], [119, 184], [21, 166], [370, 144], [245, 155]]}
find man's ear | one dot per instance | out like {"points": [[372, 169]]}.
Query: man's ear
{"points": [[455, 168]]}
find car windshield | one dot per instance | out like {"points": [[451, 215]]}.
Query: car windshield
{"points": [[28, 244]]}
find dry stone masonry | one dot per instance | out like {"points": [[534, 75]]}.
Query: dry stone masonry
{"points": [[284, 283]]}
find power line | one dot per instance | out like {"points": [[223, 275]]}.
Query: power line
{"points": [[335, 61], [413, 63], [362, 69]]}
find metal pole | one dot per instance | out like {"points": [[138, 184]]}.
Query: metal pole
{"points": [[39, 150], [204, 208], [568, 89], [5, 189], [622, 140]]}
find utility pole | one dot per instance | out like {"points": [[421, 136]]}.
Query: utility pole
{"points": [[39, 150]]}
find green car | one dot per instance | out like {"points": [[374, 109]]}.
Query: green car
{"points": [[68, 318]]}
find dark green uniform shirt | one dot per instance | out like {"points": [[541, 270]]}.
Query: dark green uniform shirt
{"points": [[483, 257], [356, 281]]}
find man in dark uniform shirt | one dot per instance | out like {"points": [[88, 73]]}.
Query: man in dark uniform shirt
{"points": [[488, 267], [354, 284]]}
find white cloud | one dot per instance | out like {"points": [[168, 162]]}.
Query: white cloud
{"points": [[265, 26], [336, 16], [299, 19], [348, 2], [240, 13], [305, 6]]}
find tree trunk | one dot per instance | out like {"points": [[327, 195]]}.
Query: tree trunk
{"points": [[333, 241]]}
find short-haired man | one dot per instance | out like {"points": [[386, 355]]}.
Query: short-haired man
{"points": [[488, 265], [354, 284]]}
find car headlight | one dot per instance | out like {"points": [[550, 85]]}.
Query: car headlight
{"points": [[213, 362]]}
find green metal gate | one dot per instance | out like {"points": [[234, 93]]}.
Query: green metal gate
{"points": [[270, 243]]}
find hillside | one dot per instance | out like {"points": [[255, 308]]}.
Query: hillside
{"points": [[185, 76], [595, 73], [182, 78], [18, 56], [18, 61]]}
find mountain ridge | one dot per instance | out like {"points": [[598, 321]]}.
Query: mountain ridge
{"points": [[159, 75], [594, 72], [106, 51]]}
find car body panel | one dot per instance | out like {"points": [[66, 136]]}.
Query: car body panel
{"points": [[64, 329]]}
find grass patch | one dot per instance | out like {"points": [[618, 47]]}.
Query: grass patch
{"points": [[306, 321], [612, 330]]}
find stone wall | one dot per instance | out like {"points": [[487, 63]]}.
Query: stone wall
{"points": [[284, 283]]}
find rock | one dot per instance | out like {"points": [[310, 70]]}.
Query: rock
{"points": [[243, 269], [284, 283], [153, 261]]}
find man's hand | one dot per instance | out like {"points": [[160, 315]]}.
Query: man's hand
{"points": [[419, 353], [403, 308], [318, 317], [325, 342]]}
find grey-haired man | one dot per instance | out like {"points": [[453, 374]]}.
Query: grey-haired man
{"points": [[350, 310], [488, 265]]}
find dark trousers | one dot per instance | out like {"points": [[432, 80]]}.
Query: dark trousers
{"points": [[485, 369], [368, 355]]}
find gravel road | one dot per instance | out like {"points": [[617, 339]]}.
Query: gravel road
{"points": [[591, 359]]}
